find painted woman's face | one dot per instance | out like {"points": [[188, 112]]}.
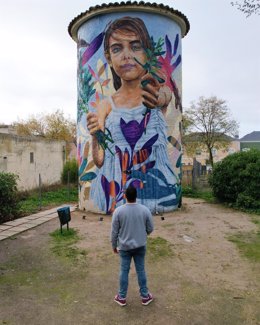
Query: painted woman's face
{"points": [[124, 46]]}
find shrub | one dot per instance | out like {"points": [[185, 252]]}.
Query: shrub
{"points": [[236, 179], [205, 194], [70, 172], [8, 196], [187, 191]]}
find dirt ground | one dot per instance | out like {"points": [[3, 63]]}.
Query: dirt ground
{"points": [[204, 280]]}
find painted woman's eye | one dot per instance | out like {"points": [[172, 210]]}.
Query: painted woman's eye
{"points": [[115, 49], [136, 47]]}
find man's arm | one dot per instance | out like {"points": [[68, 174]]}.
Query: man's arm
{"points": [[149, 223], [115, 231]]}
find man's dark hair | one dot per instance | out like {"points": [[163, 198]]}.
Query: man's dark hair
{"points": [[131, 194]]}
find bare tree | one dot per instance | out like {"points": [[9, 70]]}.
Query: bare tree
{"points": [[209, 125], [248, 7], [54, 126]]}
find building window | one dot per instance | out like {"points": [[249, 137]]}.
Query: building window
{"points": [[31, 158], [214, 152], [64, 153], [231, 150]]}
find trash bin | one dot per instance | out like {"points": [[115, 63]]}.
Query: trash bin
{"points": [[64, 216]]}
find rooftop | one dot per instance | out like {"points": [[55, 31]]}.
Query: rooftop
{"points": [[253, 136], [162, 9]]}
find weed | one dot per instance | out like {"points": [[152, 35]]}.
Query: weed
{"points": [[52, 197], [256, 220], [243, 209], [188, 223], [248, 243], [62, 245], [159, 247], [70, 236], [206, 195], [168, 225]]}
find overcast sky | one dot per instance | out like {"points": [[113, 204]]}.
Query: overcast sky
{"points": [[38, 59]]}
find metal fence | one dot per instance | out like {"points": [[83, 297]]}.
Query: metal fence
{"points": [[195, 175]]}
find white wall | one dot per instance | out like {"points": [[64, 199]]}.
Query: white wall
{"points": [[48, 159]]}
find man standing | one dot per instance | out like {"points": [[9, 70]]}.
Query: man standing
{"points": [[131, 223]]}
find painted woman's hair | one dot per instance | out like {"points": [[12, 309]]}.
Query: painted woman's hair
{"points": [[127, 24]]}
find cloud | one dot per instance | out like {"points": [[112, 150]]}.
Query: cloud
{"points": [[38, 59]]}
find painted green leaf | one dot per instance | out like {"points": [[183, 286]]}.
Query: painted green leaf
{"points": [[83, 166], [88, 177], [178, 163]]}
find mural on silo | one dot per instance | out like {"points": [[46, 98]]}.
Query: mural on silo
{"points": [[129, 111]]}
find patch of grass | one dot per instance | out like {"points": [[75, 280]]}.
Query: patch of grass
{"points": [[31, 202], [21, 270], [69, 236], [22, 278], [248, 244], [62, 246], [243, 209], [206, 195], [256, 220], [188, 223], [168, 225], [192, 293], [217, 304], [159, 247]]}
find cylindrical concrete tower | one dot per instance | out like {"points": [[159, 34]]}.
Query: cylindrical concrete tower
{"points": [[129, 104]]}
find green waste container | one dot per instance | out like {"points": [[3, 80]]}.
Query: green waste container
{"points": [[64, 216]]}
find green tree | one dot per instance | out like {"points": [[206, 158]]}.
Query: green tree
{"points": [[209, 125], [248, 7]]}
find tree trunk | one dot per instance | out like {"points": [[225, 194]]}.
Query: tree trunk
{"points": [[210, 157]]}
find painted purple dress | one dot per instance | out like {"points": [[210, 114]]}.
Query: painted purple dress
{"points": [[139, 159]]}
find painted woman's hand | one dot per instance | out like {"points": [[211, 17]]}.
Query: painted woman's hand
{"points": [[92, 123], [150, 91], [155, 94]]}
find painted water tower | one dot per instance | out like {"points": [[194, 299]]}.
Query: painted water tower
{"points": [[129, 107]]}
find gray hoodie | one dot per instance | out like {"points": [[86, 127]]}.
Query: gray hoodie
{"points": [[131, 223]]}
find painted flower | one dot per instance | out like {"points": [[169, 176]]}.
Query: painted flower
{"points": [[167, 67], [166, 62], [111, 190], [133, 130]]}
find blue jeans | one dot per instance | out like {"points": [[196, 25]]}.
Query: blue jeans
{"points": [[138, 254]]}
